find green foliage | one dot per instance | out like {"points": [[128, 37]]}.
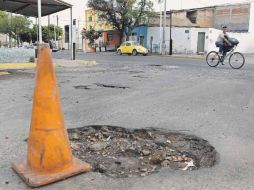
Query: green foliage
{"points": [[13, 25], [19, 28], [91, 35], [48, 33], [31, 60], [123, 15]]}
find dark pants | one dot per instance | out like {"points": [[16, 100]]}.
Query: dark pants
{"points": [[221, 46]]}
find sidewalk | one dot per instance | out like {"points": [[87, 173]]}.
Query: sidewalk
{"points": [[57, 63]]}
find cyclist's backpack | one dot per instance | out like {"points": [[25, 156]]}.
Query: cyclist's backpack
{"points": [[233, 41]]}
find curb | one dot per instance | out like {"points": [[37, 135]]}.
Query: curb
{"points": [[17, 66], [56, 62], [181, 56], [4, 73]]}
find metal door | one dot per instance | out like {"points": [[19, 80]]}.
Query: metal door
{"points": [[201, 42]]}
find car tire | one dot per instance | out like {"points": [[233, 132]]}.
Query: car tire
{"points": [[145, 54], [119, 52], [134, 52]]}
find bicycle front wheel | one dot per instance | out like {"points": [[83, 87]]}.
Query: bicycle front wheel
{"points": [[212, 59], [236, 60]]}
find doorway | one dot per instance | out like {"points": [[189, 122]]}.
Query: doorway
{"points": [[201, 42]]}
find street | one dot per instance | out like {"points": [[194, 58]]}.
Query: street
{"points": [[173, 93]]}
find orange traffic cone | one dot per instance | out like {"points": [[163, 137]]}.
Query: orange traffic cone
{"points": [[49, 158]]}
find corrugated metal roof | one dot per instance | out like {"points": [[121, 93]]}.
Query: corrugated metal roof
{"points": [[29, 7]]}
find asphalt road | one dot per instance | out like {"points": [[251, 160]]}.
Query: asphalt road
{"points": [[180, 94]]}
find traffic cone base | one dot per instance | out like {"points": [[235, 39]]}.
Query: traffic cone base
{"points": [[36, 179]]}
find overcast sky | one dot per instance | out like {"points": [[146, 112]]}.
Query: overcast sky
{"points": [[80, 5]]}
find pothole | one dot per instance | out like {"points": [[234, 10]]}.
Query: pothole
{"points": [[140, 76], [156, 65], [136, 72], [83, 87], [120, 152], [111, 86]]}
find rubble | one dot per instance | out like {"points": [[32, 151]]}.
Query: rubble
{"points": [[120, 152]]}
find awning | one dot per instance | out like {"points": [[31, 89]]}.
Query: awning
{"points": [[29, 7]]}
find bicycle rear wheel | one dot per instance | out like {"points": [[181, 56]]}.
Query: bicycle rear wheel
{"points": [[213, 59], [236, 60]]}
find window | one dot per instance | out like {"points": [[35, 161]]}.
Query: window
{"points": [[90, 19], [128, 44], [110, 37], [187, 31], [192, 16]]}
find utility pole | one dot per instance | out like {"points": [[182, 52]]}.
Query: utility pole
{"points": [[160, 2], [57, 32], [48, 28], [170, 42], [39, 21], [164, 29]]}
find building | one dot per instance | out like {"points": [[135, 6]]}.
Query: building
{"points": [[196, 30], [110, 39], [139, 34], [92, 21]]}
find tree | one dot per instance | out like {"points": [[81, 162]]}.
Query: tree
{"points": [[123, 15], [14, 26], [90, 35], [48, 33]]}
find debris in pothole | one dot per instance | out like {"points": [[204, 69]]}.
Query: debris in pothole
{"points": [[111, 86], [120, 152], [189, 164], [84, 87]]}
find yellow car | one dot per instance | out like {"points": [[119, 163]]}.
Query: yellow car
{"points": [[131, 48]]}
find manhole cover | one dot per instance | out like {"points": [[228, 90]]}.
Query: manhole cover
{"points": [[120, 152]]}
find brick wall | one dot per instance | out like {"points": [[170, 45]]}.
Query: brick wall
{"points": [[204, 18], [236, 17]]}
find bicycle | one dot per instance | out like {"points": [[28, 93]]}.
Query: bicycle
{"points": [[236, 59]]}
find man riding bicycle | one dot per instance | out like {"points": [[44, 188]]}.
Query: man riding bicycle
{"points": [[223, 41]]}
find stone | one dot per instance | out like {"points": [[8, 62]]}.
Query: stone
{"points": [[146, 152], [74, 146], [165, 163], [161, 141], [157, 157], [143, 169], [98, 146], [101, 168], [74, 136]]}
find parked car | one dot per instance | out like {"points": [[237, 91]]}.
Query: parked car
{"points": [[131, 48]]}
